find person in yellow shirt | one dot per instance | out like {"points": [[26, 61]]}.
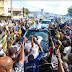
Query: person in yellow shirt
{"points": [[20, 32], [58, 38]]}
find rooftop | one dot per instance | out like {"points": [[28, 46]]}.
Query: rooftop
{"points": [[15, 9]]}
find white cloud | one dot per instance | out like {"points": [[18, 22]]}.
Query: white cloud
{"points": [[57, 7], [63, 7]]}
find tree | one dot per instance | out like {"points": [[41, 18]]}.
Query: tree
{"points": [[27, 11], [70, 11]]}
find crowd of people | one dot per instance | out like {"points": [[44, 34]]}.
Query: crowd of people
{"points": [[60, 42], [18, 54]]}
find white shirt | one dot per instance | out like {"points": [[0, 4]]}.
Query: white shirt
{"points": [[15, 27], [52, 23], [36, 48], [6, 23], [2, 24], [1, 52], [38, 26], [67, 51], [54, 59], [7, 27], [17, 46], [24, 27]]}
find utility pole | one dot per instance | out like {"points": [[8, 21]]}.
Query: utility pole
{"points": [[11, 11], [23, 12]]}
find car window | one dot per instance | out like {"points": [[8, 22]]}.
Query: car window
{"points": [[44, 34], [16, 20], [45, 22]]}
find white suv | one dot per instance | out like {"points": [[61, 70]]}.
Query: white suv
{"points": [[45, 23]]}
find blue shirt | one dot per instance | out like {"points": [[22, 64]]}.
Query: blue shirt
{"points": [[38, 26], [26, 60], [66, 22], [21, 40], [33, 67], [13, 21], [27, 26], [15, 27]]}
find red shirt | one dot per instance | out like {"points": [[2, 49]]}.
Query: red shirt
{"points": [[50, 50]]}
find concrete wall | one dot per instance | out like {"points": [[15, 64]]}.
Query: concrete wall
{"points": [[1, 7], [4, 7]]}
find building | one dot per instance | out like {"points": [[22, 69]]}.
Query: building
{"points": [[3, 7], [16, 11]]}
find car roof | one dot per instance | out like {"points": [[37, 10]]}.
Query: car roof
{"points": [[38, 30], [35, 30]]}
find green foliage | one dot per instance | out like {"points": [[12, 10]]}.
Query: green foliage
{"points": [[27, 11], [70, 11]]}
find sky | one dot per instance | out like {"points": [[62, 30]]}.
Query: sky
{"points": [[51, 6]]}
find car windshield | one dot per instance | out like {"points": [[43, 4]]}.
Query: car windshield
{"points": [[45, 22], [42, 33], [16, 20]]}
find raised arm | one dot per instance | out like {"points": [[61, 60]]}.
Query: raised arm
{"points": [[12, 43], [52, 43], [40, 48], [61, 69], [19, 50], [22, 56], [32, 42], [4, 45], [38, 45]]}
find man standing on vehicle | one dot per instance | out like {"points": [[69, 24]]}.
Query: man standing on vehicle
{"points": [[37, 25], [16, 26]]}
